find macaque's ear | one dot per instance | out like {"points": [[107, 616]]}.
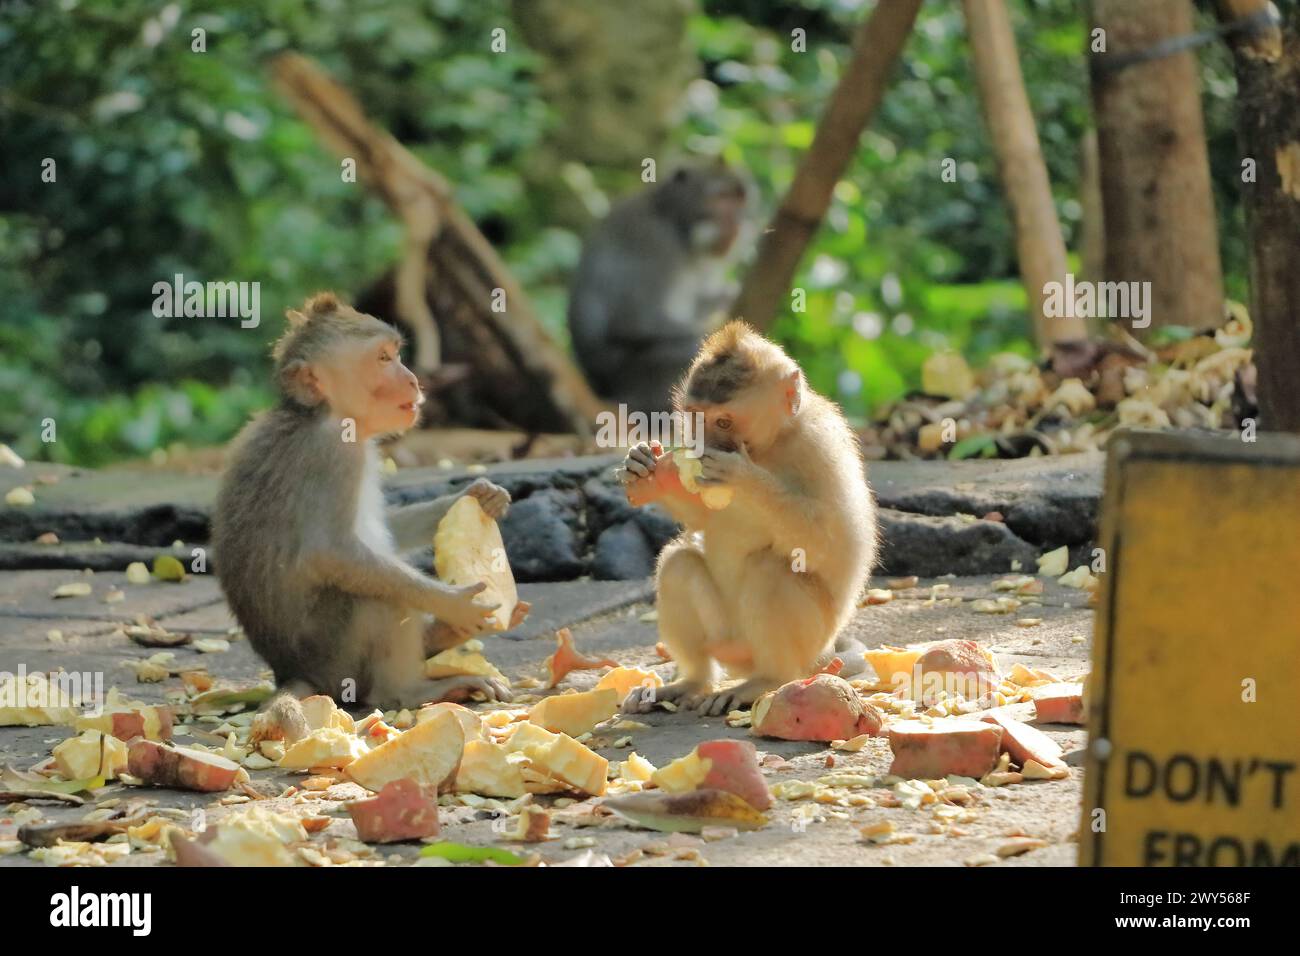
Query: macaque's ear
{"points": [[298, 381], [793, 385]]}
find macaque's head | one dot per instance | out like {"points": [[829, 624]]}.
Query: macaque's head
{"points": [[707, 203], [746, 388], [335, 357]]}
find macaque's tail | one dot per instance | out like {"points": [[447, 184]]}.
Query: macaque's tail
{"points": [[282, 717]]}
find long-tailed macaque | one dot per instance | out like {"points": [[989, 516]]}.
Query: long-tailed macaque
{"points": [[763, 585], [651, 277], [305, 558]]}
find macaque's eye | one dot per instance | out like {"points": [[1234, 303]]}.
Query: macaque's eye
{"points": [[385, 356], [724, 424]]}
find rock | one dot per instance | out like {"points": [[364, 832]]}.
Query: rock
{"points": [[622, 553], [933, 546], [659, 528], [1045, 501], [541, 536]]}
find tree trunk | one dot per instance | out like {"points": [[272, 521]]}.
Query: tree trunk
{"points": [[1092, 240], [1040, 247], [1268, 128], [1159, 212], [876, 48], [541, 389]]}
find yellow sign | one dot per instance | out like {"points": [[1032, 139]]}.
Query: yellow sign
{"points": [[1194, 696]]}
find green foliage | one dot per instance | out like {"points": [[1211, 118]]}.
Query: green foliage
{"points": [[172, 161]]}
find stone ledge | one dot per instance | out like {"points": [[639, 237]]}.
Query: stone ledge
{"points": [[571, 519]]}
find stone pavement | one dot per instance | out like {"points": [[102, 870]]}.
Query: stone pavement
{"points": [[931, 515], [605, 620]]}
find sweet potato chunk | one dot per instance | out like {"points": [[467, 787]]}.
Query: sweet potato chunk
{"points": [[402, 810], [1059, 703], [180, 767], [968, 748], [1023, 742], [824, 707], [730, 765], [127, 719]]}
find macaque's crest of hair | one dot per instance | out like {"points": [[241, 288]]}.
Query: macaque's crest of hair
{"points": [[323, 322], [730, 360]]}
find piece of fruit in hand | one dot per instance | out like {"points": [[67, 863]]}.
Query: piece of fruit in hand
{"points": [[467, 549]]}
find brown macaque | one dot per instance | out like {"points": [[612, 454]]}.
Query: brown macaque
{"points": [[651, 277], [764, 585], [305, 557]]}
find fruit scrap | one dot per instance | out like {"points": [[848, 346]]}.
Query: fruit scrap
{"points": [[92, 754], [180, 767], [402, 810], [687, 812], [127, 719], [823, 707], [626, 679], [533, 825], [958, 667], [566, 658], [466, 660], [681, 480], [39, 694], [1060, 703], [967, 748], [428, 753], [575, 714], [558, 759], [253, 837], [689, 470], [1054, 563], [729, 765], [1025, 743], [467, 549], [486, 769], [326, 747]]}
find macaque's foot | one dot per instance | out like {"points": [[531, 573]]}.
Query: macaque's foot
{"points": [[731, 698], [459, 689], [642, 700]]}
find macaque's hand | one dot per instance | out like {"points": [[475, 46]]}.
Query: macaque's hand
{"points": [[458, 610], [719, 467], [640, 461], [492, 498]]}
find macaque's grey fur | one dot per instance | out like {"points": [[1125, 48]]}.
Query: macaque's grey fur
{"points": [[310, 568], [651, 277]]}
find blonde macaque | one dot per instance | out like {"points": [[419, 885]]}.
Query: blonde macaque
{"points": [[763, 585], [305, 557]]}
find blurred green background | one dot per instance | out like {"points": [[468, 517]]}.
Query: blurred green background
{"points": [[171, 161]]}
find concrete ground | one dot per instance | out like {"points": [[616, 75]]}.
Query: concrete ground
{"points": [[80, 634]]}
